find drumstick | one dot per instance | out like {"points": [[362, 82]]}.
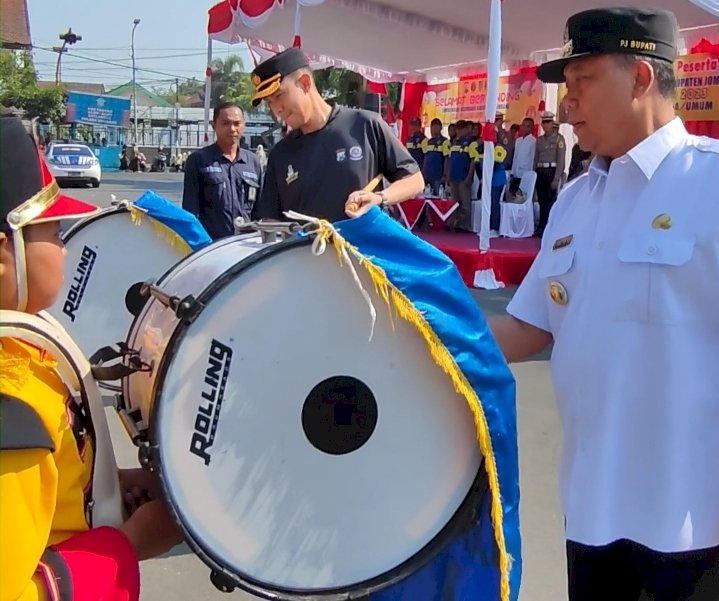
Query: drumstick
{"points": [[352, 206], [373, 184]]}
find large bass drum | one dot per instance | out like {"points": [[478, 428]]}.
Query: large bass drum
{"points": [[302, 460], [108, 257]]}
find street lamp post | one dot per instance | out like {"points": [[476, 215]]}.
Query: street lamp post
{"points": [[68, 39], [135, 23]]}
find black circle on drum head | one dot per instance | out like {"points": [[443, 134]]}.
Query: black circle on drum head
{"points": [[134, 299], [339, 415]]}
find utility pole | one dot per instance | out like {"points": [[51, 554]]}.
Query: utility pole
{"points": [[135, 23], [177, 114], [68, 39]]}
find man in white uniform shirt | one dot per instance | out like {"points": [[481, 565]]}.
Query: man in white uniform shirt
{"points": [[626, 285], [523, 154]]}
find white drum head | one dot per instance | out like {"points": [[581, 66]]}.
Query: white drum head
{"points": [[154, 325], [106, 255], [299, 456]]}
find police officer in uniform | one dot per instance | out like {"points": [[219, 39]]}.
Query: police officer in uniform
{"points": [[549, 164], [330, 154], [459, 174], [436, 150], [223, 180], [415, 140], [626, 285]]}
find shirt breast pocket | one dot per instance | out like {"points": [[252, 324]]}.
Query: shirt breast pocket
{"points": [[660, 284], [214, 185], [250, 188], [560, 281]]}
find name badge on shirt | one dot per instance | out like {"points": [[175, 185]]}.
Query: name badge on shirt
{"points": [[250, 174], [562, 242], [211, 169]]}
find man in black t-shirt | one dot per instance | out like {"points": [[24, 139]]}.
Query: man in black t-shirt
{"points": [[330, 154]]}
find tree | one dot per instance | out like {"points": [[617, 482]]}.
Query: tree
{"points": [[341, 86], [185, 89], [230, 82], [19, 89]]}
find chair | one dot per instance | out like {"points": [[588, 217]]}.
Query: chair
{"points": [[517, 220], [477, 210]]}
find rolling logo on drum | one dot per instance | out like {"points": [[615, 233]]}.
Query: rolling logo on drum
{"points": [[208, 413], [79, 282]]}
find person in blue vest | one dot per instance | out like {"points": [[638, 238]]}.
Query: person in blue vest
{"points": [[415, 140], [452, 132], [460, 173], [499, 181], [436, 150]]}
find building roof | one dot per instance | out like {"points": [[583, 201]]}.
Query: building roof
{"points": [[14, 25], [126, 91], [74, 86]]}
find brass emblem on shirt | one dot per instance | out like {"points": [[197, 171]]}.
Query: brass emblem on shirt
{"points": [[558, 293], [662, 222], [562, 242], [292, 175]]}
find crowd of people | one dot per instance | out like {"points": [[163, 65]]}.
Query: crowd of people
{"points": [[452, 164]]}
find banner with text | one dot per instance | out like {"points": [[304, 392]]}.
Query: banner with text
{"points": [[519, 96], [92, 109], [697, 87]]}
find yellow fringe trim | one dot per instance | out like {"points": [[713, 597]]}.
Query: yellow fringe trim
{"points": [[396, 300], [167, 234]]}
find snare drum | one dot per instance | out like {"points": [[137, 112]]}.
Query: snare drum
{"points": [[302, 460], [108, 256]]}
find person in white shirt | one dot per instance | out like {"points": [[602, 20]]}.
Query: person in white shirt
{"points": [[626, 286], [523, 154]]}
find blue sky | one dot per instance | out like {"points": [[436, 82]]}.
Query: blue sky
{"points": [[170, 39]]}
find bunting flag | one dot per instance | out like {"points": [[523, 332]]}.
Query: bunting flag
{"points": [[443, 208], [410, 211], [174, 224], [422, 286]]}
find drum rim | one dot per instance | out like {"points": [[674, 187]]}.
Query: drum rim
{"points": [[82, 223], [461, 520]]}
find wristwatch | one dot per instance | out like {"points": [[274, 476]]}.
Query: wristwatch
{"points": [[383, 204]]}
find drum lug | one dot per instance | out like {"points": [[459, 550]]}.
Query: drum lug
{"points": [[186, 308], [221, 582], [147, 455]]}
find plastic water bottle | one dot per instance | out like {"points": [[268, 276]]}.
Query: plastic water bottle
{"points": [[427, 191]]}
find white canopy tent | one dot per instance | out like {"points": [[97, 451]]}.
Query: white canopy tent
{"points": [[410, 40]]}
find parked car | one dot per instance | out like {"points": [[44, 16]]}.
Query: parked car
{"points": [[74, 164]]}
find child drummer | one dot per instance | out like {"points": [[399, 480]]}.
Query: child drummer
{"points": [[47, 549]]}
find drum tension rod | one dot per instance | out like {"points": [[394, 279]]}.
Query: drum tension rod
{"points": [[185, 308], [286, 228]]}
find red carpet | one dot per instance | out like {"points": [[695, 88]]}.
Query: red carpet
{"points": [[509, 259]]}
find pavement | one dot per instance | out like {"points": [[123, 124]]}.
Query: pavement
{"points": [[180, 576]]}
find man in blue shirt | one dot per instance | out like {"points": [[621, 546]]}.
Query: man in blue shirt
{"points": [[436, 150], [460, 173], [222, 181], [415, 141]]}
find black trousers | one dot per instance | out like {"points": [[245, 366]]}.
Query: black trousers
{"points": [[545, 196], [627, 571]]}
